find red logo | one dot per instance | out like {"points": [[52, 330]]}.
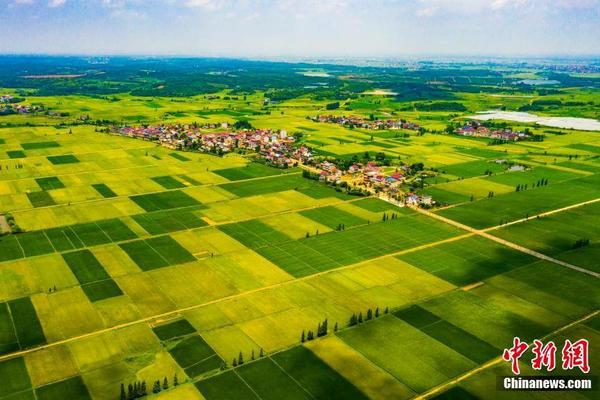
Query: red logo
{"points": [[514, 353], [545, 356], [574, 355]]}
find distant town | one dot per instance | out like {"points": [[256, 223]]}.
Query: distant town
{"points": [[357, 122], [279, 149], [478, 129]]}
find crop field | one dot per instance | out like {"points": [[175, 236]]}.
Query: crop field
{"points": [[557, 235], [128, 261], [467, 261], [517, 205]]}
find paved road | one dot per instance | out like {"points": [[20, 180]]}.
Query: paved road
{"points": [[483, 233]]}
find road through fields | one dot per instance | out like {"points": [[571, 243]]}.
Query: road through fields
{"points": [[484, 233], [469, 232]]}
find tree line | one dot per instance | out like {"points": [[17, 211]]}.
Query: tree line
{"points": [[139, 389]]}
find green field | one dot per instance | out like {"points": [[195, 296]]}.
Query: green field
{"points": [[164, 200], [249, 171], [557, 235], [331, 250], [124, 261], [517, 205], [468, 260]]}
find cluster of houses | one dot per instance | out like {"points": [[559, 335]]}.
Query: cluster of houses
{"points": [[357, 122], [275, 147], [10, 105], [476, 129], [373, 178], [8, 108], [280, 149]]}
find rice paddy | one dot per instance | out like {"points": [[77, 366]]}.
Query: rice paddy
{"points": [[138, 262]]}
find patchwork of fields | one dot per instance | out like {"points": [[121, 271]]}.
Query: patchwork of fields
{"points": [[140, 263]]}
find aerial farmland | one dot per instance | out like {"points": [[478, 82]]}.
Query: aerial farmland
{"points": [[299, 200], [153, 246]]}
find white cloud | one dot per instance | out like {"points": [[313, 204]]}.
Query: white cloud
{"points": [[427, 11], [206, 4], [431, 7], [56, 3]]}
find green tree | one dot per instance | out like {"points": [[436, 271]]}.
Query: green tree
{"points": [[242, 124], [353, 320]]}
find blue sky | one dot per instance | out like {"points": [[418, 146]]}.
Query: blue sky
{"points": [[301, 28]]}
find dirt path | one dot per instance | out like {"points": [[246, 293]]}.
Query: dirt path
{"points": [[174, 313], [483, 233], [558, 210]]}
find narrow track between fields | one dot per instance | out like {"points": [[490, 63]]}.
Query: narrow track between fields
{"points": [[483, 233], [492, 363], [174, 313]]}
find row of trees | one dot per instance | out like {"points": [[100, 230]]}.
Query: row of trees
{"points": [[138, 389], [358, 319], [387, 216], [240, 358], [541, 182], [322, 330], [16, 166], [323, 327]]}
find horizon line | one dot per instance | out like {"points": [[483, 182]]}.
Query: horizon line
{"points": [[407, 57]]}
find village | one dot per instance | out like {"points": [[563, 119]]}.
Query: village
{"points": [[276, 148], [477, 129], [375, 124], [8, 105], [279, 149], [371, 178]]}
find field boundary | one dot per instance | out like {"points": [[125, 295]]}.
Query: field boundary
{"points": [[483, 233], [441, 388], [177, 312]]}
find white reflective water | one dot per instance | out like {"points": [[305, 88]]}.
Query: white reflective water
{"points": [[584, 124]]}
